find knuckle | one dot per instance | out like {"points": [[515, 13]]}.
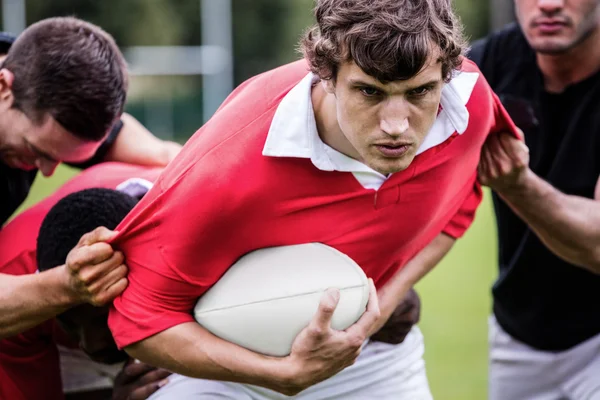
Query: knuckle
{"points": [[316, 332], [355, 341], [119, 257], [327, 308]]}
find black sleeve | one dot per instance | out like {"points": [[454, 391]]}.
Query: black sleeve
{"points": [[104, 147], [6, 40], [477, 51]]}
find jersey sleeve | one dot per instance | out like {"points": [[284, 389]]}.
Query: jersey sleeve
{"points": [[173, 243], [500, 122], [462, 220]]}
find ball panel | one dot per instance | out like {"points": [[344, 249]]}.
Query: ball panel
{"points": [[270, 327], [284, 271]]}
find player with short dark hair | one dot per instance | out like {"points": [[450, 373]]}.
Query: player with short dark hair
{"points": [[545, 332], [63, 85], [381, 167]]}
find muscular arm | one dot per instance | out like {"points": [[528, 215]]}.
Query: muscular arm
{"points": [[567, 225], [136, 145], [93, 273], [28, 300], [318, 352], [191, 350]]}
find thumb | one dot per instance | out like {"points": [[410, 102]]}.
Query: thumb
{"points": [[100, 234]]}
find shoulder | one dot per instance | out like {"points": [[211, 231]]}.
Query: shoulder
{"points": [[234, 137], [501, 52]]}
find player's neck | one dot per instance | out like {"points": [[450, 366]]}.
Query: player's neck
{"points": [[575, 65], [324, 106]]}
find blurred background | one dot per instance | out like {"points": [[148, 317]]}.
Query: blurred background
{"points": [[185, 56]]}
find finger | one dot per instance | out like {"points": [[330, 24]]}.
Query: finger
{"points": [[145, 391], [108, 279], [90, 273], [492, 172], [94, 254], [321, 322], [136, 370], [100, 234], [516, 149], [370, 316], [158, 374], [482, 168], [110, 293], [520, 133]]}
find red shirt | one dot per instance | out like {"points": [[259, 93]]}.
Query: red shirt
{"points": [[221, 198], [29, 364]]}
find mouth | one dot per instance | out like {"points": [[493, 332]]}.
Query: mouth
{"points": [[393, 150], [549, 25]]}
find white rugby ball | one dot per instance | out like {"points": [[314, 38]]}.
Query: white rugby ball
{"points": [[269, 295]]}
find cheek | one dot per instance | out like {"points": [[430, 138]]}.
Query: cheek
{"points": [[424, 116], [357, 119]]}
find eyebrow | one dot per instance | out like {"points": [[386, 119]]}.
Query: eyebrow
{"points": [[359, 82]]}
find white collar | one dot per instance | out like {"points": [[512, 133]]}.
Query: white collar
{"points": [[293, 131]]}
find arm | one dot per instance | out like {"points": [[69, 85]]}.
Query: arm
{"points": [[136, 145], [568, 225], [93, 273], [318, 352], [399, 285], [28, 300]]}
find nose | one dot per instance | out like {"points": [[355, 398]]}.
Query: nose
{"points": [[550, 6], [46, 167], [394, 118]]}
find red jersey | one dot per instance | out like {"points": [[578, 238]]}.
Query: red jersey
{"points": [[222, 198], [29, 364]]}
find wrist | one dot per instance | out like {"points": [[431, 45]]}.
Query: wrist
{"points": [[286, 376], [520, 186], [59, 281]]}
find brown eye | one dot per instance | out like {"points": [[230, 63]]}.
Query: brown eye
{"points": [[369, 91], [421, 91]]}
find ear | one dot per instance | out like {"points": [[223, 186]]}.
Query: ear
{"points": [[6, 82], [328, 85]]}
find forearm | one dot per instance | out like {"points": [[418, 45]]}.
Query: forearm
{"points": [[189, 349], [398, 286], [568, 225], [136, 145], [28, 300]]}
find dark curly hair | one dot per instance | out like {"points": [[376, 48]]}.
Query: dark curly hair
{"points": [[388, 39], [75, 215]]}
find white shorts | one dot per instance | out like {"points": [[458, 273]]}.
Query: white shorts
{"points": [[382, 371], [520, 372]]}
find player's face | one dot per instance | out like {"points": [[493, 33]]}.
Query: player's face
{"points": [[26, 145], [88, 325], [556, 26], [384, 124]]}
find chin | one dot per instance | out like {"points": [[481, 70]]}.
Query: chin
{"points": [[392, 168], [551, 46]]}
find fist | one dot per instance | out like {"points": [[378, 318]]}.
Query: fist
{"points": [[137, 381], [401, 321], [95, 272], [504, 162]]}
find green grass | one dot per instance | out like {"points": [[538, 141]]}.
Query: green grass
{"points": [[455, 298]]}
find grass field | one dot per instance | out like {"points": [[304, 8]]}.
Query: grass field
{"points": [[456, 304]]}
